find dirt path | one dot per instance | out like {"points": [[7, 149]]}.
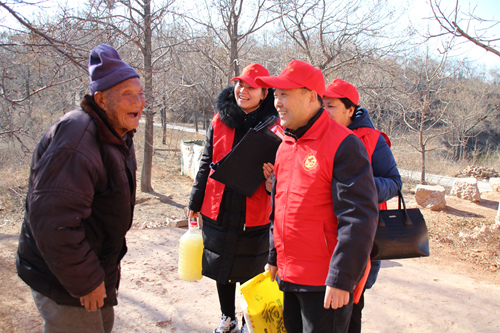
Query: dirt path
{"points": [[414, 295], [456, 289]]}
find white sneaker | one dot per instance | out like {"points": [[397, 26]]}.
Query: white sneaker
{"points": [[244, 329], [227, 325]]}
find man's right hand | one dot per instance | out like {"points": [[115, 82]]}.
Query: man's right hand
{"points": [[95, 299], [335, 298]]}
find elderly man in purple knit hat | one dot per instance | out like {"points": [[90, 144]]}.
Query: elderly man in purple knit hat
{"points": [[80, 201]]}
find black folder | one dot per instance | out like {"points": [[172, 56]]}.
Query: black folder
{"points": [[241, 168]]}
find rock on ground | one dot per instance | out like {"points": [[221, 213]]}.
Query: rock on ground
{"points": [[432, 196], [466, 188]]}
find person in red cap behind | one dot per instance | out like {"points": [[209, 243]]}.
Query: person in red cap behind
{"points": [[235, 228], [324, 205], [341, 100]]}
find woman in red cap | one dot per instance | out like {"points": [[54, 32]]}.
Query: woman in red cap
{"points": [[341, 100], [235, 227]]}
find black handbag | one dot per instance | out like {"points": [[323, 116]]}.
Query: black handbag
{"points": [[401, 233]]}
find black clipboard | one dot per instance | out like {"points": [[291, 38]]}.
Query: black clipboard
{"points": [[241, 168]]}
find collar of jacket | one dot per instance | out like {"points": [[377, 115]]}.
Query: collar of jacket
{"points": [[105, 132], [299, 132], [362, 119], [234, 117]]}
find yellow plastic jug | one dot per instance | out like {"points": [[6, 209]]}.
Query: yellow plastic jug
{"points": [[190, 253], [263, 304]]}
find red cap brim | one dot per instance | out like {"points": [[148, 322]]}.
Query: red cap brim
{"points": [[248, 80], [333, 95], [277, 82]]}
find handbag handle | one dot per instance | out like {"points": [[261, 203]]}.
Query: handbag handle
{"points": [[406, 219], [401, 200]]}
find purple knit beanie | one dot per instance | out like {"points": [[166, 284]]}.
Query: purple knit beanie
{"points": [[107, 69]]}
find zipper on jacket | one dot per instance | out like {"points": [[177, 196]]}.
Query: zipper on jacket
{"points": [[244, 226], [289, 181]]}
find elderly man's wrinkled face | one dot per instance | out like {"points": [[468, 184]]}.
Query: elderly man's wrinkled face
{"points": [[123, 104]]}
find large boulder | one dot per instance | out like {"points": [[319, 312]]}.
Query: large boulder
{"points": [[466, 188], [495, 184], [431, 196]]}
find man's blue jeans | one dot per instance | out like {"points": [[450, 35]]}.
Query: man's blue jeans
{"points": [[62, 318]]}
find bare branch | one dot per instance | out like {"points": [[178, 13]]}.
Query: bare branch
{"points": [[452, 27], [56, 44]]}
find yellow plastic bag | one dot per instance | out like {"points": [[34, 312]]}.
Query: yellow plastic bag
{"points": [[263, 305]]}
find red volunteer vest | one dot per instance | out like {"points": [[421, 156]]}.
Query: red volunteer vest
{"points": [[369, 137], [258, 206], [305, 227]]}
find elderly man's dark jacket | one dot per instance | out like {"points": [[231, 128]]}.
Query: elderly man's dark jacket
{"points": [[79, 206]]}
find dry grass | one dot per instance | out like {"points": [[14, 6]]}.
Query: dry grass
{"points": [[13, 187], [408, 158]]}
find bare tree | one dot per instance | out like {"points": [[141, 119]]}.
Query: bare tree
{"points": [[424, 107], [232, 23], [335, 34], [40, 72], [129, 25], [35, 45], [459, 24], [473, 103], [378, 83]]}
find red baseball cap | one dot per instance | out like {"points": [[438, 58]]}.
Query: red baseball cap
{"points": [[339, 88], [249, 74], [297, 74]]}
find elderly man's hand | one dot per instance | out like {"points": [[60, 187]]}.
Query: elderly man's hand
{"points": [[95, 299]]}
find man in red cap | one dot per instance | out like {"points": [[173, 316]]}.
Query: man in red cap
{"points": [[324, 204]]}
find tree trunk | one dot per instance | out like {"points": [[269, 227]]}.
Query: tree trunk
{"points": [[195, 117], [163, 113], [147, 165], [422, 151], [235, 68], [422, 175]]}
